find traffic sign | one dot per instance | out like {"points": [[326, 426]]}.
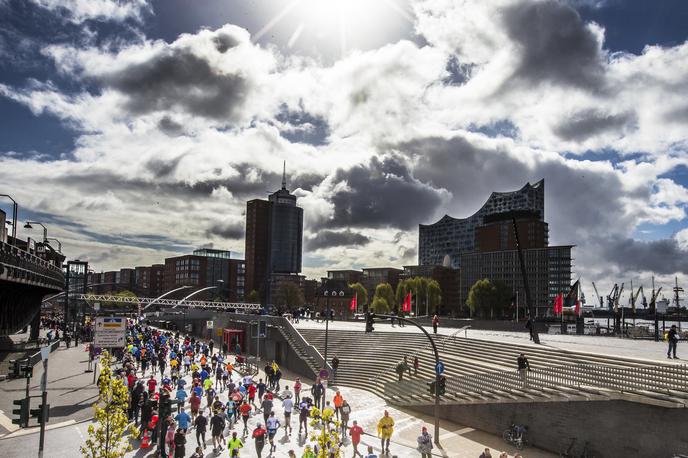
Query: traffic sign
{"points": [[439, 368], [209, 324], [324, 375], [110, 332]]}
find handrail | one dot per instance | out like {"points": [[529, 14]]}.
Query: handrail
{"points": [[295, 334]]}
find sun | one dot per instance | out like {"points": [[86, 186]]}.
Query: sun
{"points": [[341, 20]]}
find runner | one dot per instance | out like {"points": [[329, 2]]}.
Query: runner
{"points": [[235, 444], [385, 429], [217, 426], [201, 424], [245, 411], [272, 425], [288, 406], [259, 435], [356, 432]]}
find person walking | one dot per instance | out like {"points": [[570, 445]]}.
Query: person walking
{"points": [[425, 443], [435, 323], [346, 411], [234, 445], [288, 406], [303, 416], [416, 365], [356, 432], [335, 366], [523, 368], [201, 425], [338, 403], [672, 336], [217, 426], [297, 391], [486, 454], [259, 435], [385, 429], [180, 443]]}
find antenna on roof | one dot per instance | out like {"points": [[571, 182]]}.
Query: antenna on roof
{"points": [[284, 175]]}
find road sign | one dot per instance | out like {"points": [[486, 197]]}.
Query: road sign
{"points": [[439, 367], [110, 332], [209, 324], [324, 375]]}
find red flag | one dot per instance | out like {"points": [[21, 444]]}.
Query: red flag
{"points": [[354, 303], [559, 303], [407, 303], [577, 308]]}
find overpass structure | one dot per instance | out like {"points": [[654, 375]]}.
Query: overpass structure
{"points": [[145, 301], [24, 280]]}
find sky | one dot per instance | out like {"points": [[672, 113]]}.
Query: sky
{"points": [[137, 130]]}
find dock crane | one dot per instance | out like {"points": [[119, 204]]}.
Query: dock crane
{"points": [[597, 295], [614, 296]]}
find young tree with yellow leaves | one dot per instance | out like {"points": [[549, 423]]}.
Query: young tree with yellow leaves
{"points": [[107, 437]]}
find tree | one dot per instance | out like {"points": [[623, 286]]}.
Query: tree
{"points": [[402, 290], [253, 297], [488, 300], [380, 305], [434, 296], [106, 438], [361, 293], [290, 296], [385, 291]]}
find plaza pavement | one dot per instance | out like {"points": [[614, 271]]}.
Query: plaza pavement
{"points": [[610, 346], [71, 395]]}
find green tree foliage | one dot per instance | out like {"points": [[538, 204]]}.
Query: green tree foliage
{"points": [[290, 296], [107, 437], [385, 291], [488, 300], [253, 297], [361, 293], [402, 290], [434, 296], [380, 305], [427, 293]]}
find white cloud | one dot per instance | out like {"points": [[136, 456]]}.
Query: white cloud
{"points": [[79, 11]]}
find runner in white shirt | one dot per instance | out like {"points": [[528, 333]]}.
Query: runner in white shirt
{"points": [[272, 426], [247, 380], [288, 405]]}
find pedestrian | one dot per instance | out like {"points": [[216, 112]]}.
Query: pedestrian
{"points": [[335, 366], [245, 411], [523, 368], [385, 429], [217, 426], [183, 419], [201, 425], [259, 435], [672, 336], [530, 326], [272, 425], [338, 403], [356, 432], [297, 391], [266, 407], [486, 454], [234, 445], [370, 453], [198, 453], [416, 365], [425, 443], [180, 443], [288, 406], [317, 391], [400, 369], [303, 416], [435, 323]]}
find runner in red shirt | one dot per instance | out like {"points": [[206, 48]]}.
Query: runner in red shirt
{"points": [[245, 411], [152, 383], [355, 432], [252, 394]]}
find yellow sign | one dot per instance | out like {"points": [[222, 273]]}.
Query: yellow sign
{"points": [[218, 332]]}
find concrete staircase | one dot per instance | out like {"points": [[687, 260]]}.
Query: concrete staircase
{"points": [[481, 371]]}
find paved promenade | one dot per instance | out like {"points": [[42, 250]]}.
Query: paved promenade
{"points": [[610, 346]]}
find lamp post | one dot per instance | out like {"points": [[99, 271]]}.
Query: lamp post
{"points": [[28, 225], [15, 210], [332, 293]]}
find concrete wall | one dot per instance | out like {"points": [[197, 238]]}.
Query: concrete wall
{"points": [[612, 428], [273, 347]]}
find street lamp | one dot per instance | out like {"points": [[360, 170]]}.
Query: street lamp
{"points": [[15, 210], [328, 294], [28, 225]]}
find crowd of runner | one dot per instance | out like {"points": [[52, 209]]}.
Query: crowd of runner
{"points": [[214, 398]]}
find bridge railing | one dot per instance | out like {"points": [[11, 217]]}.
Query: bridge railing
{"points": [[21, 265]]}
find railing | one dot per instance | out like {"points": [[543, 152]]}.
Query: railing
{"points": [[19, 265], [289, 329], [246, 306], [31, 361]]}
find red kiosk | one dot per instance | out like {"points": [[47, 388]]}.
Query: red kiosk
{"points": [[232, 337]]}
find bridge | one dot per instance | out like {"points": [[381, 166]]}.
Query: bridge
{"points": [[243, 307], [24, 280]]}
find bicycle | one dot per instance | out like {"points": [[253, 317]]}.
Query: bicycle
{"points": [[515, 436]]}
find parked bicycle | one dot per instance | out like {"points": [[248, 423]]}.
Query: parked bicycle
{"points": [[516, 436]]}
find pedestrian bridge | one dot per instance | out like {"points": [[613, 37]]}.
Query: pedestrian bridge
{"points": [[24, 280]]}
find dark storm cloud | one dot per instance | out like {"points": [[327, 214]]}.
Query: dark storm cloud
{"points": [[657, 256], [234, 231], [162, 169], [303, 127], [383, 193], [225, 41], [170, 126], [178, 78], [328, 239], [588, 123], [555, 44]]}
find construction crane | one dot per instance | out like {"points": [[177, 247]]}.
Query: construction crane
{"points": [[613, 297], [634, 298], [597, 295]]}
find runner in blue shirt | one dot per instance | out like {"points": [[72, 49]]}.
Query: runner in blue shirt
{"points": [[183, 420]]}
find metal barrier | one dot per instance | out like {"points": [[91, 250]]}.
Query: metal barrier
{"points": [[31, 361]]}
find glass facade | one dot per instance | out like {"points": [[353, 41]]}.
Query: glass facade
{"points": [[452, 237]]}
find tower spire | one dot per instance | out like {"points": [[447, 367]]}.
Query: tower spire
{"points": [[284, 175]]}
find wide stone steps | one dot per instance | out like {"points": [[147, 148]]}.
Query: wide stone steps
{"points": [[368, 361]]}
